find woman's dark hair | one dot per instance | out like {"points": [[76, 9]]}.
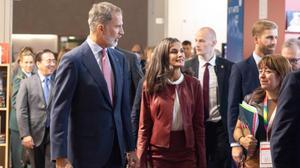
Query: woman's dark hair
{"points": [[159, 69], [38, 57], [277, 63]]}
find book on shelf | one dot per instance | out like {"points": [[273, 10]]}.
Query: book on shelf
{"points": [[2, 136], [4, 53]]}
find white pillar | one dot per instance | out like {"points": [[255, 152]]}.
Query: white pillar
{"points": [[6, 20]]}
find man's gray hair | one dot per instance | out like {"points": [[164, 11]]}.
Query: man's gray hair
{"points": [[101, 13], [292, 43]]}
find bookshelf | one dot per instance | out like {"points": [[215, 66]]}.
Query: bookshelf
{"points": [[4, 114]]}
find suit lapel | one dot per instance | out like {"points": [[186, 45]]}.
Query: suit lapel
{"points": [[253, 65], [253, 71], [115, 65], [195, 66], [94, 70], [37, 82], [50, 91], [220, 71]]}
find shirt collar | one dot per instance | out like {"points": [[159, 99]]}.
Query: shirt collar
{"points": [[256, 58], [212, 61], [94, 46], [42, 77], [26, 73], [178, 81]]}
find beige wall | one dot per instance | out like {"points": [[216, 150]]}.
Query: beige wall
{"points": [[156, 9], [69, 17]]}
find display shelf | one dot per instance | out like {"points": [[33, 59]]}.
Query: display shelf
{"points": [[4, 114]]}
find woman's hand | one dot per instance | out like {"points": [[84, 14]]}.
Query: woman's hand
{"points": [[249, 143]]}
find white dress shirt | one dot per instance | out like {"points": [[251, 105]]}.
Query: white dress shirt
{"points": [[214, 106], [177, 124]]}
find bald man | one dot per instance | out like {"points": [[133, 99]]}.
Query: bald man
{"points": [[217, 142]]}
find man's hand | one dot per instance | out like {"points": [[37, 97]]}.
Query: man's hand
{"points": [[27, 142], [63, 163], [237, 154], [132, 159]]}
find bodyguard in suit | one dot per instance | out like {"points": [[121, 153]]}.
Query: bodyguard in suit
{"points": [[25, 69], [90, 116], [244, 76], [217, 146], [135, 71], [32, 105], [285, 135]]}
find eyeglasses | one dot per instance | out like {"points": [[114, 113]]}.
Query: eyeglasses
{"points": [[49, 61], [137, 52], [175, 51], [293, 60]]}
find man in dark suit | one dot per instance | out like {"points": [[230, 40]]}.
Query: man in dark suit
{"points": [[33, 113], [217, 146], [285, 135], [135, 71], [90, 116], [244, 76]]}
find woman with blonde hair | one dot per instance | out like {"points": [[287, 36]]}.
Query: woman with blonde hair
{"points": [[25, 68]]}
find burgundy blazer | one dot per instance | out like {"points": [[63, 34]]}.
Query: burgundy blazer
{"points": [[156, 118]]}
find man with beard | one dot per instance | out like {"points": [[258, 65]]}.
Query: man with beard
{"points": [[244, 76], [90, 116]]}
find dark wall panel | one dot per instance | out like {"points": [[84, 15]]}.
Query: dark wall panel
{"points": [[69, 17]]}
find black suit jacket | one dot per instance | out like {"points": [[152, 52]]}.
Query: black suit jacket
{"points": [[222, 69], [285, 137], [243, 80], [135, 71]]}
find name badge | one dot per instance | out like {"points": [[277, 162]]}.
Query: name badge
{"points": [[265, 159]]}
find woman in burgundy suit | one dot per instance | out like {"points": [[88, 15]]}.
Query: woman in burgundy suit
{"points": [[171, 129]]}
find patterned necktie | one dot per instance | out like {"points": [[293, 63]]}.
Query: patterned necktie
{"points": [[46, 89], [106, 70], [206, 91]]}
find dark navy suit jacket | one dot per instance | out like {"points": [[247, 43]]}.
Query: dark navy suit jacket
{"points": [[135, 71], [222, 69], [84, 122], [243, 80], [285, 137]]}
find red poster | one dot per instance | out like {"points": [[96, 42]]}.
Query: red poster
{"points": [[4, 53]]}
